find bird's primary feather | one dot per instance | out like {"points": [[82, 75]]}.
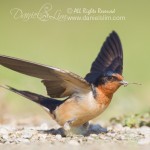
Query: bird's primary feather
{"points": [[109, 59], [59, 83]]}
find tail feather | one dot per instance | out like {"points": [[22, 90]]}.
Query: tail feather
{"points": [[47, 102]]}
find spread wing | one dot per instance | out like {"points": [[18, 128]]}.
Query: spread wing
{"points": [[59, 83], [109, 59]]}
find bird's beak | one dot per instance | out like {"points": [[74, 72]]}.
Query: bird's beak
{"points": [[125, 83]]}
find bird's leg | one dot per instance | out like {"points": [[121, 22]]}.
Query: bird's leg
{"points": [[79, 130], [67, 126], [86, 125], [68, 123]]}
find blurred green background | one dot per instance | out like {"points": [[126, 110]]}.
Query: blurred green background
{"points": [[73, 45]]}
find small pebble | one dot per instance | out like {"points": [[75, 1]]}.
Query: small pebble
{"points": [[93, 135], [144, 141], [73, 142], [90, 138], [58, 137], [44, 126], [27, 135], [3, 131]]}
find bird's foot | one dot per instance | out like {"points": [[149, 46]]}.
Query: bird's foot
{"points": [[85, 129], [67, 127]]}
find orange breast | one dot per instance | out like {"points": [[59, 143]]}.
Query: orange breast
{"points": [[103, 97], [81, 110]]}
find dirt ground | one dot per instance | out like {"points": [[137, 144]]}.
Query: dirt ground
{"points": [[36, 134], [47, 146]]}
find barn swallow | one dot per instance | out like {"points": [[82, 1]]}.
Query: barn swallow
{"points": [[84, 98]]}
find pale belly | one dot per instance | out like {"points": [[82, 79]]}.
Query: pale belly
{"points": [[80, 111]]}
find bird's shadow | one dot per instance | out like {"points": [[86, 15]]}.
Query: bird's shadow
{"points": [[92, 129]]}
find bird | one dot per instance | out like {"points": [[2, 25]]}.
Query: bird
{"points": [[83, 98]]}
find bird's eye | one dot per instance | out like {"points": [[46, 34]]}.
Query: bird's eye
{"points": [[110, 78], [106, 79]]}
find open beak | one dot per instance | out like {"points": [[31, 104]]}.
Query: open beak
{"points": [[125, 83]]}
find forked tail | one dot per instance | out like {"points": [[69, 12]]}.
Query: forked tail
{"points": [[47, 102]]}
